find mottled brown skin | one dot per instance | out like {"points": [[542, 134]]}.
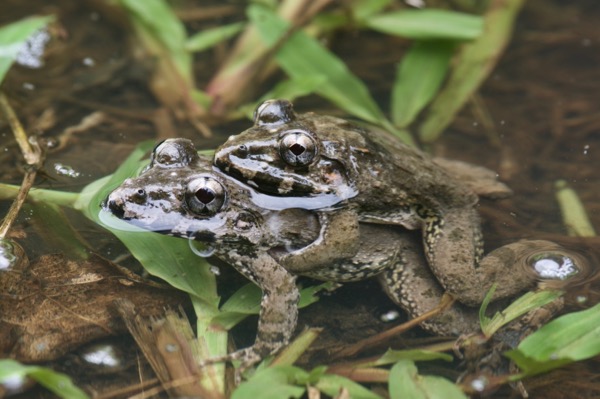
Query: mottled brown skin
{"points": [[378, 179], [267, 246], [270, 246]]}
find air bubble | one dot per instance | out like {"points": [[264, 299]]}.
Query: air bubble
{"points": [[201, 249]]}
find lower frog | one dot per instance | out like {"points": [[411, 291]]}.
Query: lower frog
{"points": [[180, 194], [374, 177]]}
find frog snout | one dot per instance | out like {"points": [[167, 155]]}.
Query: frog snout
{"points": [[115, 205]]}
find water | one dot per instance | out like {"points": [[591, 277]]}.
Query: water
{"points": [[540, 120]]}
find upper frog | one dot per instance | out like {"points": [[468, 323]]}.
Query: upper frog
{"points": [[372, 175], [289, 154]]}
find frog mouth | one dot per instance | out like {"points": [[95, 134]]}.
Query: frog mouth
{"points": [[269, 179]]}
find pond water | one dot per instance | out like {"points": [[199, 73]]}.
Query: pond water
{"points": [[535, 121]]}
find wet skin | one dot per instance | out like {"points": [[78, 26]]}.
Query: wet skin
{"points": [[180, 194], [374, 178]]}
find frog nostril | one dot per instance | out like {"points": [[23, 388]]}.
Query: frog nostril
{"points": [[115, 207], [242, 150]]}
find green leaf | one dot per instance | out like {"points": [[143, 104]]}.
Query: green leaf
{"points": [[405, 382], [363, 9], [527, 302], [58, 383], [471, 66], [13, 36], [331, 384], [210, 37], [292, 352], [570, 338], [289, 89], [392, 356], [276, 382], [418, 78], [304, 57], [428, 24], [246, 301], [156, 23], [573, 213]]}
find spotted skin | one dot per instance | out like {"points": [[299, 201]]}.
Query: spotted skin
{"points": [[271, 247], [376, 178]]}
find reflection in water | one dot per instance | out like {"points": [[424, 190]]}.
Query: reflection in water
{"points": [[201, 249], [11, 254]]}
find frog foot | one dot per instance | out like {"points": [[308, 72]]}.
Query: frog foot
{"points": [[248, 357]]}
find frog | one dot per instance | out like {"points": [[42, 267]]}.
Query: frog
{"points": [[182, 194], [374, 178]]}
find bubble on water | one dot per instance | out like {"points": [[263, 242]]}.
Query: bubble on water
{"points": [[479, 384], [32, 51], [201, 249], [389, 316], [215, 270], [65, 170], [11, 254], [15, 384], [88, 61], [555, 267], [103, 356]]}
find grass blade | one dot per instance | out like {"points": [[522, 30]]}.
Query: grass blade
{"points": [[58, 383], [13, 36], [418, 78], [570, 338], [473, 64], [428, 24], [405, 382], [210, 37], [303, 57]]}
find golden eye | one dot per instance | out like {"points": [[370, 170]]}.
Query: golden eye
{"points": [[274, 112], [205, 196], [297, 148]]}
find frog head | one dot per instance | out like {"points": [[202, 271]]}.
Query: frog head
{"points": [[286, 154]]}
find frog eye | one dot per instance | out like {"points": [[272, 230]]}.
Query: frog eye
{"points": [[274, 112], [205, 196], [297, 148], [174, 153]]}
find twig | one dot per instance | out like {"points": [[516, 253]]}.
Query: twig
{"points": [[33, 156], [446, 302]]}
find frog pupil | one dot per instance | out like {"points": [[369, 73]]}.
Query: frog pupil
{"points": [[297, 149], [205, 195]]}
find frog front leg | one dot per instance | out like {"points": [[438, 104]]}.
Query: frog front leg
{"points": [[278, 307], [338, 239]]}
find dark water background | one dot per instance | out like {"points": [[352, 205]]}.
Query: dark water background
{"points": [[536, 119]]}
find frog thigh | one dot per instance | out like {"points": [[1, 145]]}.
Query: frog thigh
{"points": [[411, 285], [338, 239]]}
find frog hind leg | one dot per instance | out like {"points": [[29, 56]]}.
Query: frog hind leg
{"points": [[338, 239], [454, 249], [412, 286], [278, 308]]}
